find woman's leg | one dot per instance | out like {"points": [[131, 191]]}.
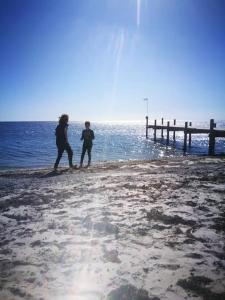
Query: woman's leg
{"points": [[70, 154], [60, 153]]}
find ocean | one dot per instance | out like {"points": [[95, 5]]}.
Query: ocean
{"points": [[32, 144]]}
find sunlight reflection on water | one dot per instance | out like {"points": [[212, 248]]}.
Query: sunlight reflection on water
{"points": [[32, 144]]}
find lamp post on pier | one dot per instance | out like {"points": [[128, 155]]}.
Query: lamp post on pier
{"points": [[146, 100]]}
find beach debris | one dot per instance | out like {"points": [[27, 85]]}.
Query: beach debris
{"points": [[178, 230], [17, 217], [194, 255], [87, 222], [191, 203], [35, 244], [156, 215], [18, 292], [191, 235], [130, 292], [142, 231], [106, 227], [198, 285], [111, 255], [146, 270], [160, 227], [219, 223], [194, 282], [169, 266]]}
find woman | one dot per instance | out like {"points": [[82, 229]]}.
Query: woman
{"points": [[62, 141]]}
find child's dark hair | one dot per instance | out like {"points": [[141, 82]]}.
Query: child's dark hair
{"points": [[63, 119], [87, 123]]}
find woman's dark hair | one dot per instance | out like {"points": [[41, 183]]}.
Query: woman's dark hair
{"points": [[87, 123], [63, 119]]}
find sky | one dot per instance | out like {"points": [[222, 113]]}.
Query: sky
{"points": [[98, 59]]}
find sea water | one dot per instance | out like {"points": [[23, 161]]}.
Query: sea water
{"points": [[32, 144]]}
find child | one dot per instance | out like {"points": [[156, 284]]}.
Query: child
{"points": [[62, 141], [87, 137]]}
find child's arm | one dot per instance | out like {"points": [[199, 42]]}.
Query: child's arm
{"points": [[92, 135]]}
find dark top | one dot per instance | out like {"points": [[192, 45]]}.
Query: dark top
{"points": [[60, 134], [87, 137]]}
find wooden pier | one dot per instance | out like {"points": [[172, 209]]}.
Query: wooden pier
{"points": [[188, 132]]}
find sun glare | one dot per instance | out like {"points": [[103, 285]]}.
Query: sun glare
{"points": [[138, 13]]}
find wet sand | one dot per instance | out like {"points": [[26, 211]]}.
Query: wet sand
{"points": [[129, 230]]}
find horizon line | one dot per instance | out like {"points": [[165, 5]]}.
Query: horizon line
{"points": [[77, 121]]}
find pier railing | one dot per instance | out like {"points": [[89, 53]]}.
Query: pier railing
{"points": [[188, 132]]}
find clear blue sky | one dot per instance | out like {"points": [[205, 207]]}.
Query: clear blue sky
{"points": [[97, 59]]}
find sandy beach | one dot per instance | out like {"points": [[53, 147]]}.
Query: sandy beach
{"points": [[135, 230]]}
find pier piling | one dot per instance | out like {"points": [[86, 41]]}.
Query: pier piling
{"points": [[174, 123], [189, 142], [168, 133], [185, 136], [155, 131], [146, 127], [212, 138]]}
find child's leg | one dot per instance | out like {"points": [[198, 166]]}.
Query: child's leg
{"points": [[70, 154], [89, 155], [82, 155]]}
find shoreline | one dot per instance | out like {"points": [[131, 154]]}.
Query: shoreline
{"points": [[99, 164], [133, 229]]}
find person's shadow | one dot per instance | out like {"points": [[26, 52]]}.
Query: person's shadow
{"points": [[55, 173]]}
